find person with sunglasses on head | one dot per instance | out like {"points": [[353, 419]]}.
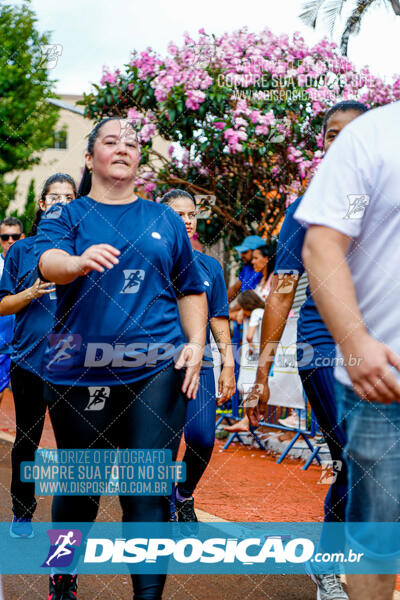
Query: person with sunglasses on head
{"points": [[200, 416], [315, 351], [126, 281], [32, 301], [11, 230]]}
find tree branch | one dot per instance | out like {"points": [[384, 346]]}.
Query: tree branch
{"points": [[172, 179]]}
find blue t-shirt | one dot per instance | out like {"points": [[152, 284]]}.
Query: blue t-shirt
{"points": [[311, 330], [121, 325], [34, 322], [212, 276], [249, 278], [6, 323]]}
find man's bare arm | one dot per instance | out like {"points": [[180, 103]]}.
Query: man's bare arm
{"points": [[234, 290], [277, 309]]}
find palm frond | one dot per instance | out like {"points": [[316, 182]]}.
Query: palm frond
{"points": [[331, 11], [309, 12]]}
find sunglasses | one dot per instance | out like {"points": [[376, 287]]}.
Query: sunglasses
{"points": [[6, 236], [59, 197]]}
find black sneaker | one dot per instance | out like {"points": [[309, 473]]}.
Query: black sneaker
{"points": [[185, 511], [63, 587]]}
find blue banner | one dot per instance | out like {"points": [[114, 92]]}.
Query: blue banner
{"points": [[202, 548]]}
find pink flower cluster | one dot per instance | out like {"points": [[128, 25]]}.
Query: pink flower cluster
{"points": [[194, 98], [147, 180], [144, 124], [259, 77], [109, 77], [247, 60], [234, 137]]}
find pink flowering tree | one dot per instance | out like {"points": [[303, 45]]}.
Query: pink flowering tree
{"points": [[242, 114]]}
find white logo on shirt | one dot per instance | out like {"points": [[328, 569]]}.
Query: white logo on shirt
{"points": [[206, 283], [63, 349], [133, 280], [54, 212], [98, 397], [357, 205], [156, 235]]}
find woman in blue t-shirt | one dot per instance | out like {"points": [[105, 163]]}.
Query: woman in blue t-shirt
{"points": [[32, 301], [129, 300], [200, 416]]}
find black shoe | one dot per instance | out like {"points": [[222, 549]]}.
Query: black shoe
{"points": [[63, 587], [185, 511]]}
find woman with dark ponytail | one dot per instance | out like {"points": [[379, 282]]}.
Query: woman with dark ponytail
{"points": [[200, 416], [126, 281], [32, 301]]}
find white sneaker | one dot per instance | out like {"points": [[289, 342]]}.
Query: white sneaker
{"points": [[293, 421]]}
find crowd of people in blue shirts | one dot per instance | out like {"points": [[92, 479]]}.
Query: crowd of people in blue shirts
{"points": [[104, 267]]}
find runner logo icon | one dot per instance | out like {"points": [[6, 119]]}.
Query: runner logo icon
{"points": [[62, 348], [63, 543], [133, 280], [357, 205], [98, 397]]}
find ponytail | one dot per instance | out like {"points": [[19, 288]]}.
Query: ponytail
{"points": [[36, 222], [85, 183]]}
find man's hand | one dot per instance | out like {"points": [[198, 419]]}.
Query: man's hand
{"points": [[371, 376], [190, 358], [256, 403], [226, 385]]}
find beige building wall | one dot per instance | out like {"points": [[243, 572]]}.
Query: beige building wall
{"points": [[70, 160], [53, 160]]}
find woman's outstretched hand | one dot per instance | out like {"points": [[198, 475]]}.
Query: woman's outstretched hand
{"points": [[97, 258], [190, 358]]}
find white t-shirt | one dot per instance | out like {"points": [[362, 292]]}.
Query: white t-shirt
{"points": [[357, 191], [264, 290], [249, 362]]}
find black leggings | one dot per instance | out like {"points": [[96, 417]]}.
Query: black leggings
{"points": [[146, 414], [199, 432], [319, 385], [30, 410]]}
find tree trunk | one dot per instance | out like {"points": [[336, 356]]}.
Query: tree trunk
{"points": [[396, 7]]}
